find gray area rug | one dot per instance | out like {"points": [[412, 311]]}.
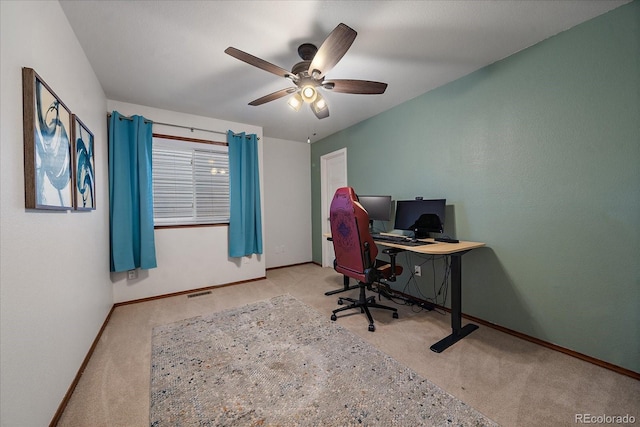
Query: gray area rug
{"points": [[281, 363]]}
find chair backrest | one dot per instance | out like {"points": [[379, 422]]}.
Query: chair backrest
{"points": [[353, 245]]}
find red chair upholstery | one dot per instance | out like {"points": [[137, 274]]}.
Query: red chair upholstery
{"points": [[356, 251]]}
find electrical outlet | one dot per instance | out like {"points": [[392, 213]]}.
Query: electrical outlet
{"points": [[132, 274], [417, 270]]}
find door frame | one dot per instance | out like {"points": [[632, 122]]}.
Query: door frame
{"points": [[325, 196]]}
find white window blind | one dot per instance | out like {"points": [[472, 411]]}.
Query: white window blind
{"points": [[190, 182]]}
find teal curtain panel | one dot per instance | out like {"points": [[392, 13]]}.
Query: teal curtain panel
{"points": [[245, 224], [130, 193]]}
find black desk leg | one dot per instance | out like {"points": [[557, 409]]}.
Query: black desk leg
{"points": [[457, 331], [346, 287]]}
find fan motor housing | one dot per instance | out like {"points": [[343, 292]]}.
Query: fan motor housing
{"points": [[301, 68]]}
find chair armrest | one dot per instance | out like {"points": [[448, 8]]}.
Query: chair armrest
{"points": [[392, 252]]}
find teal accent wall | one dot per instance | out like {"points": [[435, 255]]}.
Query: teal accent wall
{"points": [[538, 155]]}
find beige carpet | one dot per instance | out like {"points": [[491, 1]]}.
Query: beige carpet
{"points": [[513, 382]]}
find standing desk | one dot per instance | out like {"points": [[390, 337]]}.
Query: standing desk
{"points": [[455, 251]]}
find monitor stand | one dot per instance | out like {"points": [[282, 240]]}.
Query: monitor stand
{"points": [[419, 234]]}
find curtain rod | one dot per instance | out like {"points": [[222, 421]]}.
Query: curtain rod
{"points": [[179, 126]]}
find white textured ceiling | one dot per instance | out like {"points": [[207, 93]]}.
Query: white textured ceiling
{"points": [[170, 54]]}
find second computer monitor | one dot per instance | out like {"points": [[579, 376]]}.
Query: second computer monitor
{"points": [[378, 207], [418, 216]]}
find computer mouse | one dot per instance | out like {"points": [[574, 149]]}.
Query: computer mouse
{"points": [[414, 240]]}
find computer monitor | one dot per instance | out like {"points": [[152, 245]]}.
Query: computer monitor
{"points": [[420, 216], [378, 207]]}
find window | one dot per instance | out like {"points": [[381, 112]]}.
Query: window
{"points": [[190, 181]]}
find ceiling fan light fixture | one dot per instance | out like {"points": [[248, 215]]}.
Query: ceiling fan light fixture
{"points": [[309, 94], [295, 102], [319, 104], [309, 74]]}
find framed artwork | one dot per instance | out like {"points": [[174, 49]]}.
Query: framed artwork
{"points": [[47, 146], [83, 166]]}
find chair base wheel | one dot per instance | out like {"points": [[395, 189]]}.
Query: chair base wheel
{"points": [[363, 303]]}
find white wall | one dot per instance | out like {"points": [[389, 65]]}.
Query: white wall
{"points": [[55, 285], [196, 257], [287, 170], [54, 266]]}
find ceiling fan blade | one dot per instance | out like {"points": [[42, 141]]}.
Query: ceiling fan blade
{"points": [[332, 50], [273, 96], [363, 87], [321, 114], [256, 62]]}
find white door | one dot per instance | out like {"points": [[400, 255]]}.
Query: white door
{"points": [[333, 175]]}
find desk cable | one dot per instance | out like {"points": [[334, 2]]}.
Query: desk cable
{"points": [[444, 284]]}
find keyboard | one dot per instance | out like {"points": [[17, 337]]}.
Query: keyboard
{"points": [[401, 240], [389, 238]]}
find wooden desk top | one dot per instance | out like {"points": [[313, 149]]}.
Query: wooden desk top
{"points": [[436, 248]]}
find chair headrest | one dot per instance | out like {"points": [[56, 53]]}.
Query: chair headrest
{"points": [[346, 192]]}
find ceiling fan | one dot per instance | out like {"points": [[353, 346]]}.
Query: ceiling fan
{"points": [[309, 74]]}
